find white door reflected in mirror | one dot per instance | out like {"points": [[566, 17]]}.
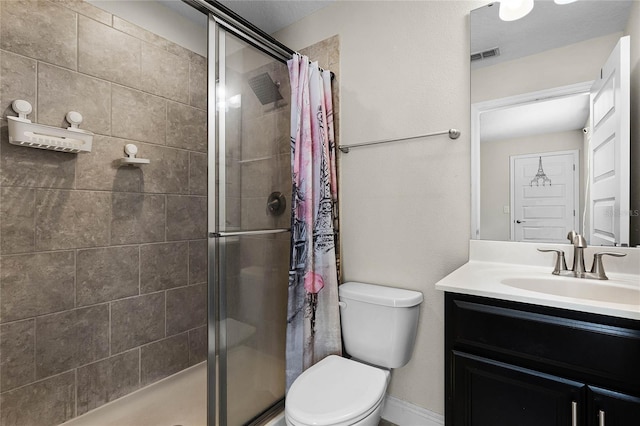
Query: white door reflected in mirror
{"points": [[544, 210], [609, 153], [536, 90]]}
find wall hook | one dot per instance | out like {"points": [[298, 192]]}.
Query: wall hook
{"points": [[131, 160]]}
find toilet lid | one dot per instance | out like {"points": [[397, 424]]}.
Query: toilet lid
{"points": [[335, 391]]}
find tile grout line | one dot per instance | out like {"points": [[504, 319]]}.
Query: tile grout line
{"points": [[166, 121], [37, 89], [35, 350], [111, 109], [188, 262], [189, 83], [87, 248], [189, 173], [140, 75], [75, 278], [110, 331], [139, 365], [75, 396], [139, 269], [111, 191], [35, 220], [77, 42]]}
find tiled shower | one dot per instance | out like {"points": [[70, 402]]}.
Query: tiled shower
{"points": [[257, 142], [103, 269]]}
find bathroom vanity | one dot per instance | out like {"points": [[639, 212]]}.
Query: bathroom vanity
{"points": [[512, 363], [515, 356]]}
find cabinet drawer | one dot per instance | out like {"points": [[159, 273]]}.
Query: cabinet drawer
{"points": [[556, 340], [490, 393], [612, 408]]}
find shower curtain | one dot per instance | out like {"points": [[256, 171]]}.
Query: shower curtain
{"points": [[313, 320]]}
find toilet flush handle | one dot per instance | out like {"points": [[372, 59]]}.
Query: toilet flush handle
{"points": [[343, 305]]}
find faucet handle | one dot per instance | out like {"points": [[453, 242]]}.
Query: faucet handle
{"points": [[561, 263], [598, 267]]}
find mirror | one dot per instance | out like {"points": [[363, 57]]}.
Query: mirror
{"points": [[530, 117]]}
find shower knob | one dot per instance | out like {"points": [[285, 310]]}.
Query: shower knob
{"points": [[276, 203]]}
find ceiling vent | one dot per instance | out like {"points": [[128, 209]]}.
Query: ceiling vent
{"points": [[486, 54]]}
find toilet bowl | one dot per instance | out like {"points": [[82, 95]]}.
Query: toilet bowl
{"points": [[379, 326], [337, 392]]}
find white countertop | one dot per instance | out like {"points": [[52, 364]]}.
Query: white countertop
{"points": [[491, 279]]}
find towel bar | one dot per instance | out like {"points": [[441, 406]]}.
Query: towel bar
{"points": [[453, 134]]}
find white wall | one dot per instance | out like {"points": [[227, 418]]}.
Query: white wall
{"points": [[633, 29], [575, 63], [494, 178], [404, 206]]}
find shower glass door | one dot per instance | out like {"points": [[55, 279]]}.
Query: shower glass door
{"points": [[249, 192]]}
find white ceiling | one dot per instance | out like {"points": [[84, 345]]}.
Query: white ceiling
{"points": [[273, 15], [268, 15], [536, 118], [187, 11], [548, 26]]}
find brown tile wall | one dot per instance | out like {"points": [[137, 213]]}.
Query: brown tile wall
{"points": [[102, 268]]}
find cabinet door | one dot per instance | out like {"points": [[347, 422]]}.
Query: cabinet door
{"points": [[491, 393], [608, 408]]}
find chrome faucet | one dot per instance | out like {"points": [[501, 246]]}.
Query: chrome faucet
{"points": [[578, 269], [579, 244]]}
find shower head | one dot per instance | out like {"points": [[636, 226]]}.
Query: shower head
{"points": [[265, 89]]}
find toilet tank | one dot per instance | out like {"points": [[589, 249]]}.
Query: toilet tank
{"points": [[379, 323]]}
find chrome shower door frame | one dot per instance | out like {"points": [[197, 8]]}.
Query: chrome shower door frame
{"points": [[216, 356], [218, 26]]}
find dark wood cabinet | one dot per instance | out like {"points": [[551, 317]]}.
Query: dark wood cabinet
{"points": [[515, 364], [617, 409], [491, 393]]}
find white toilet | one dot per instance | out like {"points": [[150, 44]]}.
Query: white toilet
{"points": [[379, 326]]}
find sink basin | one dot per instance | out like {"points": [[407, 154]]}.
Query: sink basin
{"points": [[603, 291]]}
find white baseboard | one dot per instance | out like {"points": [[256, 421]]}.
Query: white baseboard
{"points": [[404, 413]]}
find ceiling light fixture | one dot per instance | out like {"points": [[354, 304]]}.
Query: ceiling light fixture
{"points": [[511, 10]]}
